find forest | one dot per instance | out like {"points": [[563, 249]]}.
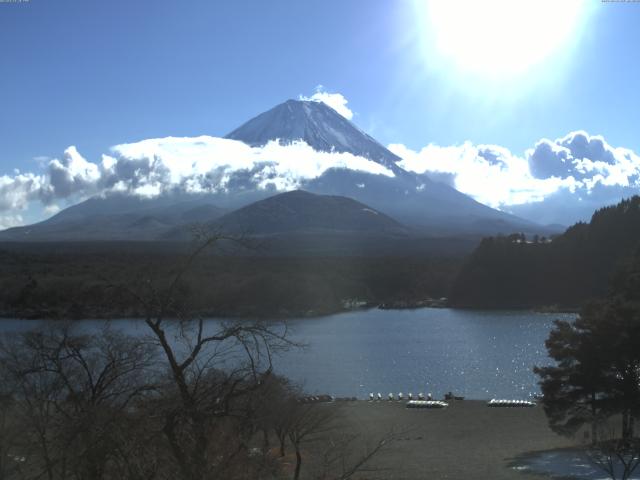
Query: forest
{"points": [[86, 281], [564, 272]]}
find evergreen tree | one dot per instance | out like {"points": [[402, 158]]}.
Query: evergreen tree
{"points": [[572, 388], [597, 371]]}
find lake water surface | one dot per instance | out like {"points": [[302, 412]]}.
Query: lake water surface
{"points": [[476, 354]]}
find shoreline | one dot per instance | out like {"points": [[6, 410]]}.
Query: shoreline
{"points": [[40, 315]]}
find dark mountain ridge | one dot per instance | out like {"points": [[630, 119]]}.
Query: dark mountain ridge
{"points": [[119, 218], [300, 211], [307, 224]]}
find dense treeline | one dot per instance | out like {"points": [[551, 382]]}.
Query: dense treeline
{"points": [[79, 281], [513, 272]]}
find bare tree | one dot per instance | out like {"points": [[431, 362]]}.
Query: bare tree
{"points": [[307, 422], [10, 459], [71, 392], [341, 460], [214, 368], [218, 371]]}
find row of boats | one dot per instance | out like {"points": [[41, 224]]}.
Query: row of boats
{"points": [[428, 402], [510, 403], [421, 401], [399, 398]]}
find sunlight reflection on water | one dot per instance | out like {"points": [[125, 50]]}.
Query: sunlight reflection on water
{"points": [[476, 354]]}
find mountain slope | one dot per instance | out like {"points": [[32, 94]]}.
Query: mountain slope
{"points": [[300, 211], [410, 198], [117, 218]]}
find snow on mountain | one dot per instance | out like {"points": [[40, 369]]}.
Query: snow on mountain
{"points": [[316, 124]]}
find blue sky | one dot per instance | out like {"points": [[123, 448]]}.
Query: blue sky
{"points": [[95, 74]]}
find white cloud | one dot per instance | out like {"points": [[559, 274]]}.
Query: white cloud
{"points": [[10, 220], [554, 175], [335, 100], [489, 173], [51, 209], [585, 157], [72, 174], [18, 190], [192, 165], [578, 171], [212, 164]]}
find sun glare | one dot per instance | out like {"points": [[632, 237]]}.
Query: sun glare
{"points": [[499, 37]]}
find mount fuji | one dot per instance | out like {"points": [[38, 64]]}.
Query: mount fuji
{"points": [[415, 201]]}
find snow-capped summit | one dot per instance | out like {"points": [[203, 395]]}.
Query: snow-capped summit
{"points": [[318, 125]]}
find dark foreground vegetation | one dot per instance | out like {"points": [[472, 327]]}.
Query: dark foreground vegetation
{"points": [[111, 406], [187, 400], [595, 383], [518, 272], [93, 280]]}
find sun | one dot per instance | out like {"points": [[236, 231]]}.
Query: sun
{"points": [[499, 37]]}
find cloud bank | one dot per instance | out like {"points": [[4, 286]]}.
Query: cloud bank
{"points": [[556, 181], [489, 173], [189, 165]]}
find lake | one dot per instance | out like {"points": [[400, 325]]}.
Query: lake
{"points": [[476, 354]]}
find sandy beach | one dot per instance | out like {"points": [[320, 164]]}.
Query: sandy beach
{"points": [[466, 440]]}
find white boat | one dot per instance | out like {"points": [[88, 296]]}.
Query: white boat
{"points": [[501, 402], [426, 404]]}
